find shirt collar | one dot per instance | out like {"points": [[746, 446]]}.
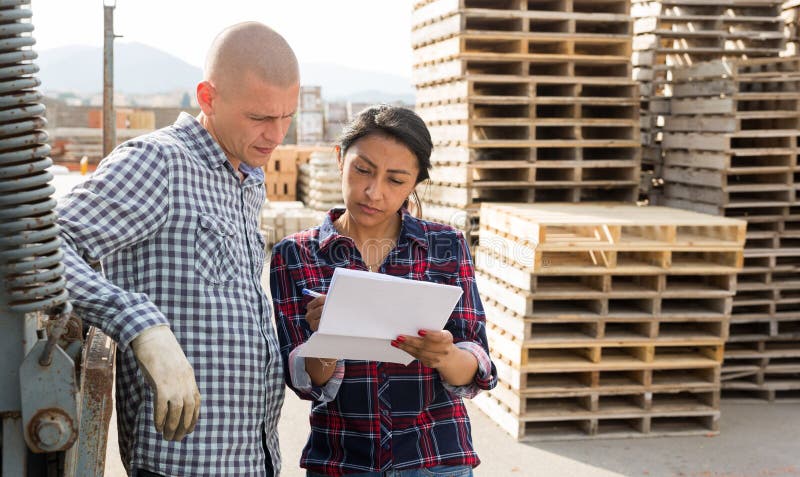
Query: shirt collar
{"points": [[410, 229], [210, 150], [207, 147], [254, 174]]}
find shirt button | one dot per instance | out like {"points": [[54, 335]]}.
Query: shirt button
{"points": [[385, 412], [386, 446]]}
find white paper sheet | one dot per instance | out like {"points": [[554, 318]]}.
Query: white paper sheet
{"points": [[364, 311]]}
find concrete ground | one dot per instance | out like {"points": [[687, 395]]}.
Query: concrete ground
{"points": [[758, 440], [755, 440]]}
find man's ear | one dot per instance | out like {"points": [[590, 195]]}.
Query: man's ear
{"points": [[206, 95]]}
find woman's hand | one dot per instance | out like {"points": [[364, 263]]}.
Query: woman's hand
{"points": [[314, 312], [433, 348]]}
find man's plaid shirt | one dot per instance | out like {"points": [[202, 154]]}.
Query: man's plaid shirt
{"points": [[371, 416], [177, 235]]}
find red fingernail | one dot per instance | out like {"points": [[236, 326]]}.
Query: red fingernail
{"points": [[395, 343], [401, 338], [422, 332]]}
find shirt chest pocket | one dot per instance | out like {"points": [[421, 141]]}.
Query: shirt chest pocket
{"points": [[216, 250]]}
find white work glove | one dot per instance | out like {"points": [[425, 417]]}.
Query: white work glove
{"points": [[171, 377]]}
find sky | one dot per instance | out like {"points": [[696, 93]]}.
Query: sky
{"points": [[365, 34]]}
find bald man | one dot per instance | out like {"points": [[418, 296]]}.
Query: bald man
{"points": [[173, 218]]}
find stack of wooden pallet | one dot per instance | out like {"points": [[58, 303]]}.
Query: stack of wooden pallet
{"points": [[280, 174], [527, 101], [672, 33], [279, 219], [606, 320], [731, 149], [319, 182], [80, 142]]}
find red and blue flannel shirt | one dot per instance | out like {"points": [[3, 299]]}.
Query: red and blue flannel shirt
{"points": [[372, 416]]}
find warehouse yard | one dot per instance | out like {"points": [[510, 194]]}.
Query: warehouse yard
{"points": [[755, 440], [626, 173]]}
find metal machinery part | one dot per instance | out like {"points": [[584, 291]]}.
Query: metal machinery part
{"points": [[47, 377]]}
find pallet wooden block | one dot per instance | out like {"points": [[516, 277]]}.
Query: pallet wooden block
{"points": [[281, 186]]}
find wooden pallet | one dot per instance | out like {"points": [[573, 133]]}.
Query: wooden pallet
{"points": [[764, 369], [649, 397], [488, 14], [528, 23], [506, 175], [503, 96], [736, 68], [592, 133], [519, 45], [547, 118], [623, 425], [563, 328], [748, 180], [609, 226], [572, 192], [524, 65], [720, 22], [450, 154], [752, 198]]}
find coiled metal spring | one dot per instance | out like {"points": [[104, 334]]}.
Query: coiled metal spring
{"points": [[30, 259]]}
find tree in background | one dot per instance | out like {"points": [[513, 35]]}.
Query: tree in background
{"points": [[186, 101]]}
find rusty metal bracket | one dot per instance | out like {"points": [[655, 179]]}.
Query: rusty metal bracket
{"points": [[98, 386], [50, 413]]}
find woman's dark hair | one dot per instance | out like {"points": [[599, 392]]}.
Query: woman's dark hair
{"points": [[401, 124]]}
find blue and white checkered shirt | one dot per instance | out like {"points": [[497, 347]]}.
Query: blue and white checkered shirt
{"points": [[177, 234]]}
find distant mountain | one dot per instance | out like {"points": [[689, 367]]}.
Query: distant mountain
{"points": [[141, 69], [138, 69], [342, 82]]}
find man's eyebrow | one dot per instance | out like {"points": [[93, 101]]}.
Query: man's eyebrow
{"points": [[271, 116]]}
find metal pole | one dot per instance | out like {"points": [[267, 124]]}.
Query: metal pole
{"points": [[109, 115]]}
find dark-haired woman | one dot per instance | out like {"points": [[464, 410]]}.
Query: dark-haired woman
{"points": [[371, 418]]}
